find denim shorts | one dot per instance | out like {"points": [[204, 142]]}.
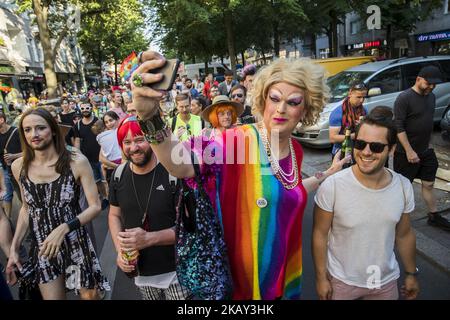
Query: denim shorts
{"points": [[97, 170], [9, 186]]}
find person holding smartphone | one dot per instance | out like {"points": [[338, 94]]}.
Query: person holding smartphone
{"points": [[265, 168]]}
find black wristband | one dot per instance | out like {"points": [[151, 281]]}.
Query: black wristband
{"points": [[414, 274], [153, 124], [74, 224], [155, 129]]}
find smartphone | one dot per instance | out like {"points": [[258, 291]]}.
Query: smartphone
{"points": [[169, 71]]}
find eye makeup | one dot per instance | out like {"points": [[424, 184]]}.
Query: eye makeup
{"points": [[295, 101]]}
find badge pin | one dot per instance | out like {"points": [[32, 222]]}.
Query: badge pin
{"points": [[261, 202]]}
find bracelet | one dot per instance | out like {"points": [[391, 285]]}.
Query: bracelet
{"points": [[74, 224], [414, 274], [155, 129]]}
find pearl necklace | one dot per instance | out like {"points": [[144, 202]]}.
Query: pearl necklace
{"points": [[282, 176]]}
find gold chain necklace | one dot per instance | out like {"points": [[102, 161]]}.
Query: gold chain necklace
{"points": [[149, 194], [276, 168]]}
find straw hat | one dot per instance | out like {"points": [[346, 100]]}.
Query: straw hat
{"points": [[222, 101]]}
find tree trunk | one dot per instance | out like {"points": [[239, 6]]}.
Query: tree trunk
{"points": [[330, 40], [313, 45], [116, 80], [390, 42], [41, 13], [243, 58], [206, 69], [276, 39], [230, 37], [335, 36]]}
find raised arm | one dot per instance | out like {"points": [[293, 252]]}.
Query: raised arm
{"points": [[146, 101]]}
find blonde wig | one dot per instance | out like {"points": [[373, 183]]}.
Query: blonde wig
{"points": [[302, 73]]}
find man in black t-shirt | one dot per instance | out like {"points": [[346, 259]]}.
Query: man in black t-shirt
{"points": [[142, 217], [10, 150], [413, 111], [86, 141]]}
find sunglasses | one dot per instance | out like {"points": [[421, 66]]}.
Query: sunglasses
{"points": [[359, 86], [375, 147], [237, 95], [85, 108]]}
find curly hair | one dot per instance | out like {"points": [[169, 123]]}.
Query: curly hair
{"points": [[302, 73], [214, 118]]}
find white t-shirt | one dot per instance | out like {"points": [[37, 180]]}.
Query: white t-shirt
{"points": [[109, 144], [362, 236]]}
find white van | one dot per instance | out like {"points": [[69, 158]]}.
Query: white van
{"points": [[199, 69]]}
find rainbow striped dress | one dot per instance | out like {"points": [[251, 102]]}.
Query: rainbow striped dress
{"points": [[262, 221]]}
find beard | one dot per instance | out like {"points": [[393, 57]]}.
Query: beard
{"points": [[86, 114], [44, 146], [147, 156], [426, 91]]}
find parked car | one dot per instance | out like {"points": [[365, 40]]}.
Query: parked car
{"points": [[385, 80], [445, 126]]}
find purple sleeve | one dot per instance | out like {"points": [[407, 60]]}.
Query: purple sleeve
{"points": [[206, 153]]}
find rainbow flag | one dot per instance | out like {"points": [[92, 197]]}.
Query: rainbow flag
{"points": [[128, 66]]}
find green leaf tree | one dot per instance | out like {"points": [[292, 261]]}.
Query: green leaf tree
{"points": [[114, 33], [55, 21]]}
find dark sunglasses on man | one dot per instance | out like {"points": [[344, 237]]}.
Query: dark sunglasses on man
{"points": [[237, 95], [375, 147], [82, 108], [359, 86]]}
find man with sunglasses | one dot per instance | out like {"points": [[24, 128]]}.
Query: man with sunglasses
{"points": [[86, 141], [347, 115], [361, 212], [413, 158], [238, 94]]}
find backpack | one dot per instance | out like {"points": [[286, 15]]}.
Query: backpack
{"points": [[173, 181]]}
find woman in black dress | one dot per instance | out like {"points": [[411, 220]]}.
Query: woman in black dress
{"points": [[50, 176]]}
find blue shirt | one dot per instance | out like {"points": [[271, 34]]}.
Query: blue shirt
{"points": [[336, 121], [194, 93]]}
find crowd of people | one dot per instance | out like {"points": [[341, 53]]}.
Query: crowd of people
{"points": [[134, 150]]}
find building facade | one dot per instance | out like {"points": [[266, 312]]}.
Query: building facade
{"points": [[431, 37], [22, 58]]}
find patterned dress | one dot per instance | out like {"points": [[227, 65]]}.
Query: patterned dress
{"points": [[49, 205]]}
